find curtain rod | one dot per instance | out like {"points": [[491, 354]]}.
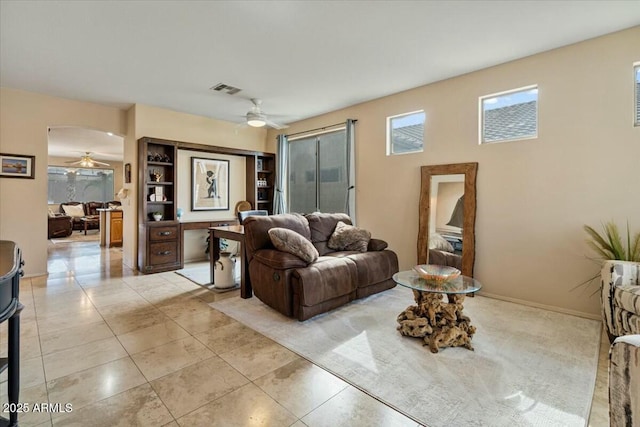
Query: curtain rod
{"points": [[322, 128]]}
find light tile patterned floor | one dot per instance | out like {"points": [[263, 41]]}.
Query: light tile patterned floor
{"points": [[126, 349]]}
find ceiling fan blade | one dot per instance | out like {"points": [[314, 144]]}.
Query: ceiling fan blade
{"points": [[275, 125], [74, 162], [100, 163]]}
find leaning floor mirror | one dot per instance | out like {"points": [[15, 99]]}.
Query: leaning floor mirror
{"points": [[447, 216]]}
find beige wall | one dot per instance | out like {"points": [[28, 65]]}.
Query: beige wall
{"points": [[533, 196], [166, 124], [24, 118], [194, 241]]}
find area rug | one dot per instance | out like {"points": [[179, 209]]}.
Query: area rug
{"points": [[78, 236], [530, 367], [200, 274]]}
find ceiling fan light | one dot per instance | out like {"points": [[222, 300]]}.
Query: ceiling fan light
{"points": [[256, 123], [255, 119]]}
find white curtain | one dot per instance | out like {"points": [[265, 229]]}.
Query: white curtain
{"points": [[279, 200]]}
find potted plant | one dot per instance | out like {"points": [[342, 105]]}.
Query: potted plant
{"points": [[611, 245], [157, 216], [223, 247]]}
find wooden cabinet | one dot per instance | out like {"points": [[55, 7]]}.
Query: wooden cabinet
{"points": [[110, 227], [158, 240], [261, 172]]}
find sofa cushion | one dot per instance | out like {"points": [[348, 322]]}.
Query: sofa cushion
{"points": [[256, 230], [75, 211], [436, 241], [349, 238], [377, 245], [371, 267], [628, 298], [91, 208], [278, 259], [325, 279], [293, 243], [322, 226]]}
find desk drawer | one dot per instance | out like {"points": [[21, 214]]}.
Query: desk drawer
{"points": [[163, 253], [163, 233]]}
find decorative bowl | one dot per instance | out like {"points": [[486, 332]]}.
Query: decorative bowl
{"points": [[437, 274]]}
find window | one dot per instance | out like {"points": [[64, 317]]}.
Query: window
{"points": [[637, 91], [405, 133], [509, 116], [318, 173], [80, 185]]}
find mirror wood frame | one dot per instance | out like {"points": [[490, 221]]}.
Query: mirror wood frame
{"points": [[470, 170]]}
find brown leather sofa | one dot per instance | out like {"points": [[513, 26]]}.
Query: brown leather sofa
{"points": [[297, 289], [59, 226], [90, 210]]}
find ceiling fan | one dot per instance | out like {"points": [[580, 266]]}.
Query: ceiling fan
{"points": [[87, 162], [258, 118]]}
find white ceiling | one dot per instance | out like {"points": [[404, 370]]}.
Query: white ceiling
{"points": [[75, 142], [302, 58]]}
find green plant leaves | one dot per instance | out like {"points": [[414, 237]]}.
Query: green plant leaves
{"points": [[610, 244]]}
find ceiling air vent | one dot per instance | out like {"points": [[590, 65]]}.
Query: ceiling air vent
{"points": [[229, 90]]}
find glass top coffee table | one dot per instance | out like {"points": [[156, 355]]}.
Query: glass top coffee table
{"points": [[439, 323]]}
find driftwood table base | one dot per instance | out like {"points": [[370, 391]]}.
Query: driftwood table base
{"points": [[438, 323]]}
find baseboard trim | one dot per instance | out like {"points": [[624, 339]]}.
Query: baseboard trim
{"points": [[30, 275], [543, 306]]}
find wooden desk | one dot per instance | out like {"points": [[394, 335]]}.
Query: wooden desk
{"points": [[199, 225], [236, 233]]}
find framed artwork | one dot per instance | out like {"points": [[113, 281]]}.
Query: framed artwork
{"points": [[17, 166], [209, 184], [127, 173]]}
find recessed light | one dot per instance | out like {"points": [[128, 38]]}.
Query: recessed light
{"points": [[109, 133]]}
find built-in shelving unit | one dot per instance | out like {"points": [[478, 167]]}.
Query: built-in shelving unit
{"points": [[261, 181], [159, 242]]}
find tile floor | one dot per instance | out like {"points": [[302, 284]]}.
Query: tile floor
{"points": [[125, 349]]}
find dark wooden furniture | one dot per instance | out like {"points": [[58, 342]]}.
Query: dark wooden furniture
{"points": [[10, 307], [111, 227], [90, 222], [59, 226], [236, 233], [160, 242], [261, 172]]}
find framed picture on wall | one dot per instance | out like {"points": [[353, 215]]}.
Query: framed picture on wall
{"points": [[127, 173], [209, 184], [17, 166]]}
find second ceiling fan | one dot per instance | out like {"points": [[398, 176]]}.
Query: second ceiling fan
{"points": [[87, 162]]}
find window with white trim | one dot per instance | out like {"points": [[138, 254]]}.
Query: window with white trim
{"points": [[637, 91], [405, 133], [510, 115]]}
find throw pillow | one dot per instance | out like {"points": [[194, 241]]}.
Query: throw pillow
{"points": [[75, 211], [289, 241], [439, 243], [349, 238]]}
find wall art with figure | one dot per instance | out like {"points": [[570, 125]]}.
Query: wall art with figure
{"points": [[209, 184]]}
